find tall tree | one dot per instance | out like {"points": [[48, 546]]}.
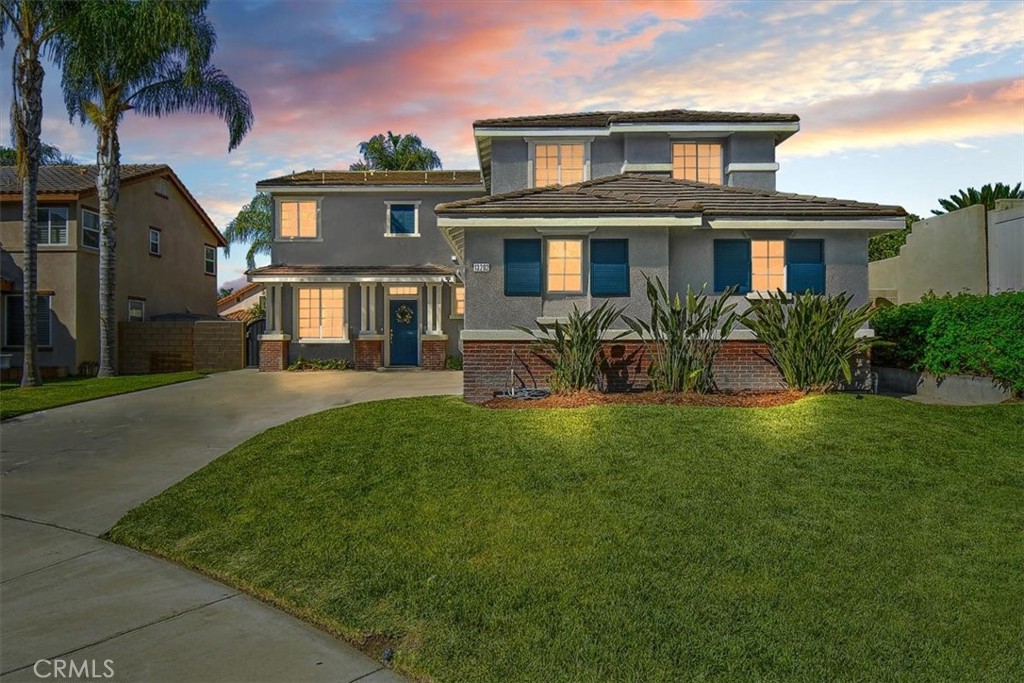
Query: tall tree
{"points": [[151, 57], [35, 24], [987, 196], [254, 225], [393, 152]]}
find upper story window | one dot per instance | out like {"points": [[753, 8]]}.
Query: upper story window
{"points": [[403, 219], [52, 222], [90, 229], [14, 320], [700, 161], [321, 313], [565, 266], [209, 259], [559, 163], [154, 241], [297, 219]]}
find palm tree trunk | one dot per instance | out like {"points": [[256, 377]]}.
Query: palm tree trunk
{"points": [[28, 111], [108, 188]]}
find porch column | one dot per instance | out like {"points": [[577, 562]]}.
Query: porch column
{"points": [[364, 308], [430, 309], [371, 297], [277, 290], [434, 302]]}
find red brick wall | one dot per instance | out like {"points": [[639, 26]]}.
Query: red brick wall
{"points": [[369, 354], [491, 366], [433, 353], [273, 355]]}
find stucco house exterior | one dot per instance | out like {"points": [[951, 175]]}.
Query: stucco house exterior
{"points": [[166, 259], [237, 304]]}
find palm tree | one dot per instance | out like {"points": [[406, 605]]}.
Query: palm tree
{"points": [[253, 225], [987, 196], [396, 153], [49, 155], [151, 57]]}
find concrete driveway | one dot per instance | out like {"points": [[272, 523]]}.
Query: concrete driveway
{"points": [[68, 474]]}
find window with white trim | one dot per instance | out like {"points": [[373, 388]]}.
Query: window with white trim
{"points": [[767, 265], [403, 219], [565, 265], [558, 163], [700, 161], [458, 301], [154, 241], [209, 260], [403, 290], [321, 314], [14, 320], [297, 219], [52, 224], [90, 229], [136, 310]]}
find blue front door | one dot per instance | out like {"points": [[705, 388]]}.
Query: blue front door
{"points": [[404, 340]]}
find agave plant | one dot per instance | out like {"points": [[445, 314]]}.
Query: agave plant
{"points": [[812, 338], [683, 336], [576, 345]]}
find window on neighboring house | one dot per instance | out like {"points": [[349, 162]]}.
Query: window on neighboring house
{"points": [[700, 161], [767, 265], [298, 219], [559, 163], [458, 301], [609, 267], [136, 310], [14, 321], [321, 313], [403, 219], [52, 224], [154, 241], [210, 260], [90, 229], [565, 265], [522, 267]]}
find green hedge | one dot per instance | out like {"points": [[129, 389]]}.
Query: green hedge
{"points": [[951, 335]]}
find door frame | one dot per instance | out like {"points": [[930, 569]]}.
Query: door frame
{"points": [[388, 298]]}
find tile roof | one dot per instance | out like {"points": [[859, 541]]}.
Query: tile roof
{"points": [[285, 270], [69, 179], [647, 194], [601, 119], [315, 177], [237, 295]]}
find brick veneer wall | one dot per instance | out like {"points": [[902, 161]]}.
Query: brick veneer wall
{"points": [[433, 353], [369, 354], [148, 347], [273, 355], [491, 366], [218, 345]]}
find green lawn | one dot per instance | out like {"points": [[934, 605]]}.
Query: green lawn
{"points": [[54, 393], [831, 539]]}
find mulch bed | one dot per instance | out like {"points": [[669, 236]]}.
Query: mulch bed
{"points": [[722, 399]]}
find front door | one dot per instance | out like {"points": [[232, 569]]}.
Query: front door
{"points": [[404, 339]]}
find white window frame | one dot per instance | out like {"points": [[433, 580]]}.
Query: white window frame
{"points": [[136, 300], [455, 314], [159, 243], [279, 202], [699, 141], [532, 154], [416, 219], [49, 320], [344, 315], [547, 263], [85, 230], [49, 230], [207, 248]]}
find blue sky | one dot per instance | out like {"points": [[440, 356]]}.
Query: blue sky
{"points": [[901, 102]]}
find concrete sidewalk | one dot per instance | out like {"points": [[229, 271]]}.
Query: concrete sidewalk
{"points": [[70, 473]]}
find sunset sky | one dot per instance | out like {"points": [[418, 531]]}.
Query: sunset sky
{"points": [[900, 102]]}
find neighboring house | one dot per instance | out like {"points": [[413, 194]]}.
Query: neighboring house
{"points": [[237, 305], [359, 270], [166, 258], [971, 250]]}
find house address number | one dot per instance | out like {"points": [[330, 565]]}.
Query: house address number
{"points": [[481, 267]]}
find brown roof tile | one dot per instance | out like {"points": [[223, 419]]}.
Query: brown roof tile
{"points": [[314, 177], [601, 119], [285, 270], [237, 295], [71, 179]]}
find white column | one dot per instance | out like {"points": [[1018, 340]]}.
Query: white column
{"points": [[364, 307], [438, 293], [371, 294], [430, 309], [278, 291]]}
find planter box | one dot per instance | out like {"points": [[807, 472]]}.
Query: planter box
{"points": [[966, 390]]}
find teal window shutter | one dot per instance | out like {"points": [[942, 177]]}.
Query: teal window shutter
{"points": [[522, 267], [403, 219], [609, 267], [732, 265], [805, 266]]}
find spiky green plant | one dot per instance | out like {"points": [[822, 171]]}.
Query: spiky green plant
{"points": [[575, 346], [683, 336], [812, 339]]}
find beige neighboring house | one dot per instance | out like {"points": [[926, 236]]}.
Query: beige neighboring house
{"points": [[166, 259], [970, 251], [237, 304]]}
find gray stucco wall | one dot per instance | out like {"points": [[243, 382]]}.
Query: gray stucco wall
{"points": [[606, 156], [509, 165]]}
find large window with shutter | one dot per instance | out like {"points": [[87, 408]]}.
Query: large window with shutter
{"points": [[14, 321], [796, 266]]}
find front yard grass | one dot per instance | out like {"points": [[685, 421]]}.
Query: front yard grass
{"points": [[830, 539], [15, 400]]}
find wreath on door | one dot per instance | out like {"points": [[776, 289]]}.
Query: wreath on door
{"points": [[403, 314]]}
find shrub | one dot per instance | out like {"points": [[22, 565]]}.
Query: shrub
{"points": [[302, 364], [683, 336], [576, 346], [905, 330], [812, 338], [453, 363]]}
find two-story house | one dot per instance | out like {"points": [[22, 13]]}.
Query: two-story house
{"points": [[359, 270], [166, 259], [580, 207]]}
